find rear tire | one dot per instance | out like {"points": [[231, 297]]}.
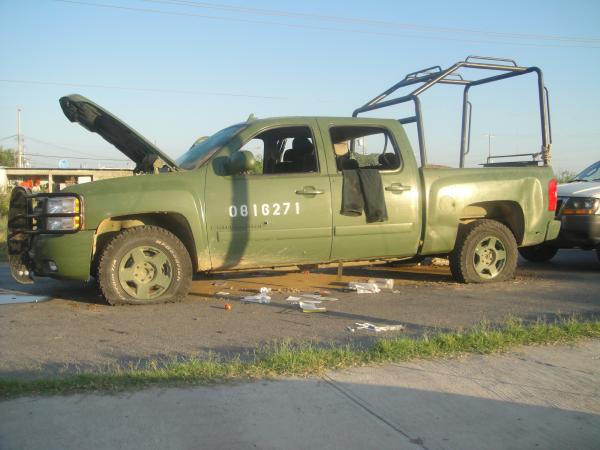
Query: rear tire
{"points": [[538, 253], [485, 251], [144, 265]]}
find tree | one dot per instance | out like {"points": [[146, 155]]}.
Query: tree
{"points": [[564, 176], [8, 157]]}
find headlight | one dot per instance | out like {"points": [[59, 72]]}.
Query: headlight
{"points": [[581, 206], [63, 213], [62, 205], [63, 223]]}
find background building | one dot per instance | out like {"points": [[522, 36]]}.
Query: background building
{"points": [[52, 180]]}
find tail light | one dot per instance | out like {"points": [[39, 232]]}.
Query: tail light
{"points": [[552, 194]]}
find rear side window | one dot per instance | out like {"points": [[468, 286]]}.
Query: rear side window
{"points": [[364, 147]]}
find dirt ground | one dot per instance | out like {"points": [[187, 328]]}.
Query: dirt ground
{"points": [[77, 330]]}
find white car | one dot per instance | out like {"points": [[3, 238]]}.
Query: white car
{"points": [[578, 209]]}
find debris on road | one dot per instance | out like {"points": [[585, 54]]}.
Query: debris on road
{"points": [[364, 288], [261, 297], [440, 262], [227, 306], [6, 299], [313, 298], [222, 293], [382, 283], [310, 306], [319, 297], [375, 328]]}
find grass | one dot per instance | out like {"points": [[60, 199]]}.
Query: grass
{"points": [[305, 359]]}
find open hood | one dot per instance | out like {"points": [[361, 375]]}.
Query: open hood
{"points": [[96, 119]]}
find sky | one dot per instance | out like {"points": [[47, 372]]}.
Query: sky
{"points": [[176, 70]]}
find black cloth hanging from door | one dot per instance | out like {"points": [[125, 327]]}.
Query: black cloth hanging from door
{"points": [[362, 189]]}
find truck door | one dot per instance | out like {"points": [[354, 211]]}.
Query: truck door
{"points": [[277, 213], [381, 145]]}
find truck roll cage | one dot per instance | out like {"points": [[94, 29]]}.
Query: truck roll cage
{"points": [[430, 76]]}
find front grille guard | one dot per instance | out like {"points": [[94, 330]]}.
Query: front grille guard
{"points": [[24, 222]]}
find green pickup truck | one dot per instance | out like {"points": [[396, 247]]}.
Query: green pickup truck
{"points": [[287, 191]]}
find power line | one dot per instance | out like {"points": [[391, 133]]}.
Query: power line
{"points": [[129, 88], [371, 22], [8, 137], [77, 157], [312, 27], [61, 147]]}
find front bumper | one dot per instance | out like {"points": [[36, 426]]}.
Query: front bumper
{"points": [[34, 250], [579, 231], [71, 254], [65, 256]]}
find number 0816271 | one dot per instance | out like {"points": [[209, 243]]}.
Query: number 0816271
{"points": [[264, 209]]}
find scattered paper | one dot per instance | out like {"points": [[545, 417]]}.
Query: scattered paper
{"points": [[375, 328], [261, 297], [319, 297], [293, 299], [311, 307], [383, 283], [364, 288], [222, 293]]}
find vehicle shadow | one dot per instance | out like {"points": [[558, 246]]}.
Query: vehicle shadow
{"points": [[410, 272], [77, 291]]}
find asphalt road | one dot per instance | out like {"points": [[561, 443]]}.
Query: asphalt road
{"points": [[77, 330]]}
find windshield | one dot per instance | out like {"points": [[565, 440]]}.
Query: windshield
{"points": [[204, 148], [591, 173]]}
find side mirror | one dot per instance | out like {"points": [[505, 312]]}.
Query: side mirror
{"points": [[240, 162]]}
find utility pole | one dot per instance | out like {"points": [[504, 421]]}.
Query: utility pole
{"points": [[19, 140], [489, 136]]}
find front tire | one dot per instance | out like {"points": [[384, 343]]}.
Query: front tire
{"points": [[485, 251], [538, 253], [144, 265]]}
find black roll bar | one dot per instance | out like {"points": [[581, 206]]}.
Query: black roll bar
{"points": [[430, 76]]}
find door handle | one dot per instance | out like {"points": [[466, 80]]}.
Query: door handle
{"points": [[398, 187], [309, 191]]}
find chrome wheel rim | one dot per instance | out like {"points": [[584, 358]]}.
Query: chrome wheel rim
{"points": [[489, 257]]}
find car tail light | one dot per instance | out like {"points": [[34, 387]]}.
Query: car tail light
{"points": [[552, 194]]}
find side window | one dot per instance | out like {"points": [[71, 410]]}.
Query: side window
{"points": [[283, 150], [364, 147]]}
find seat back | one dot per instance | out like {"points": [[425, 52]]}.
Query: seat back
{"points": [[301, 157], [388, 161]]}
